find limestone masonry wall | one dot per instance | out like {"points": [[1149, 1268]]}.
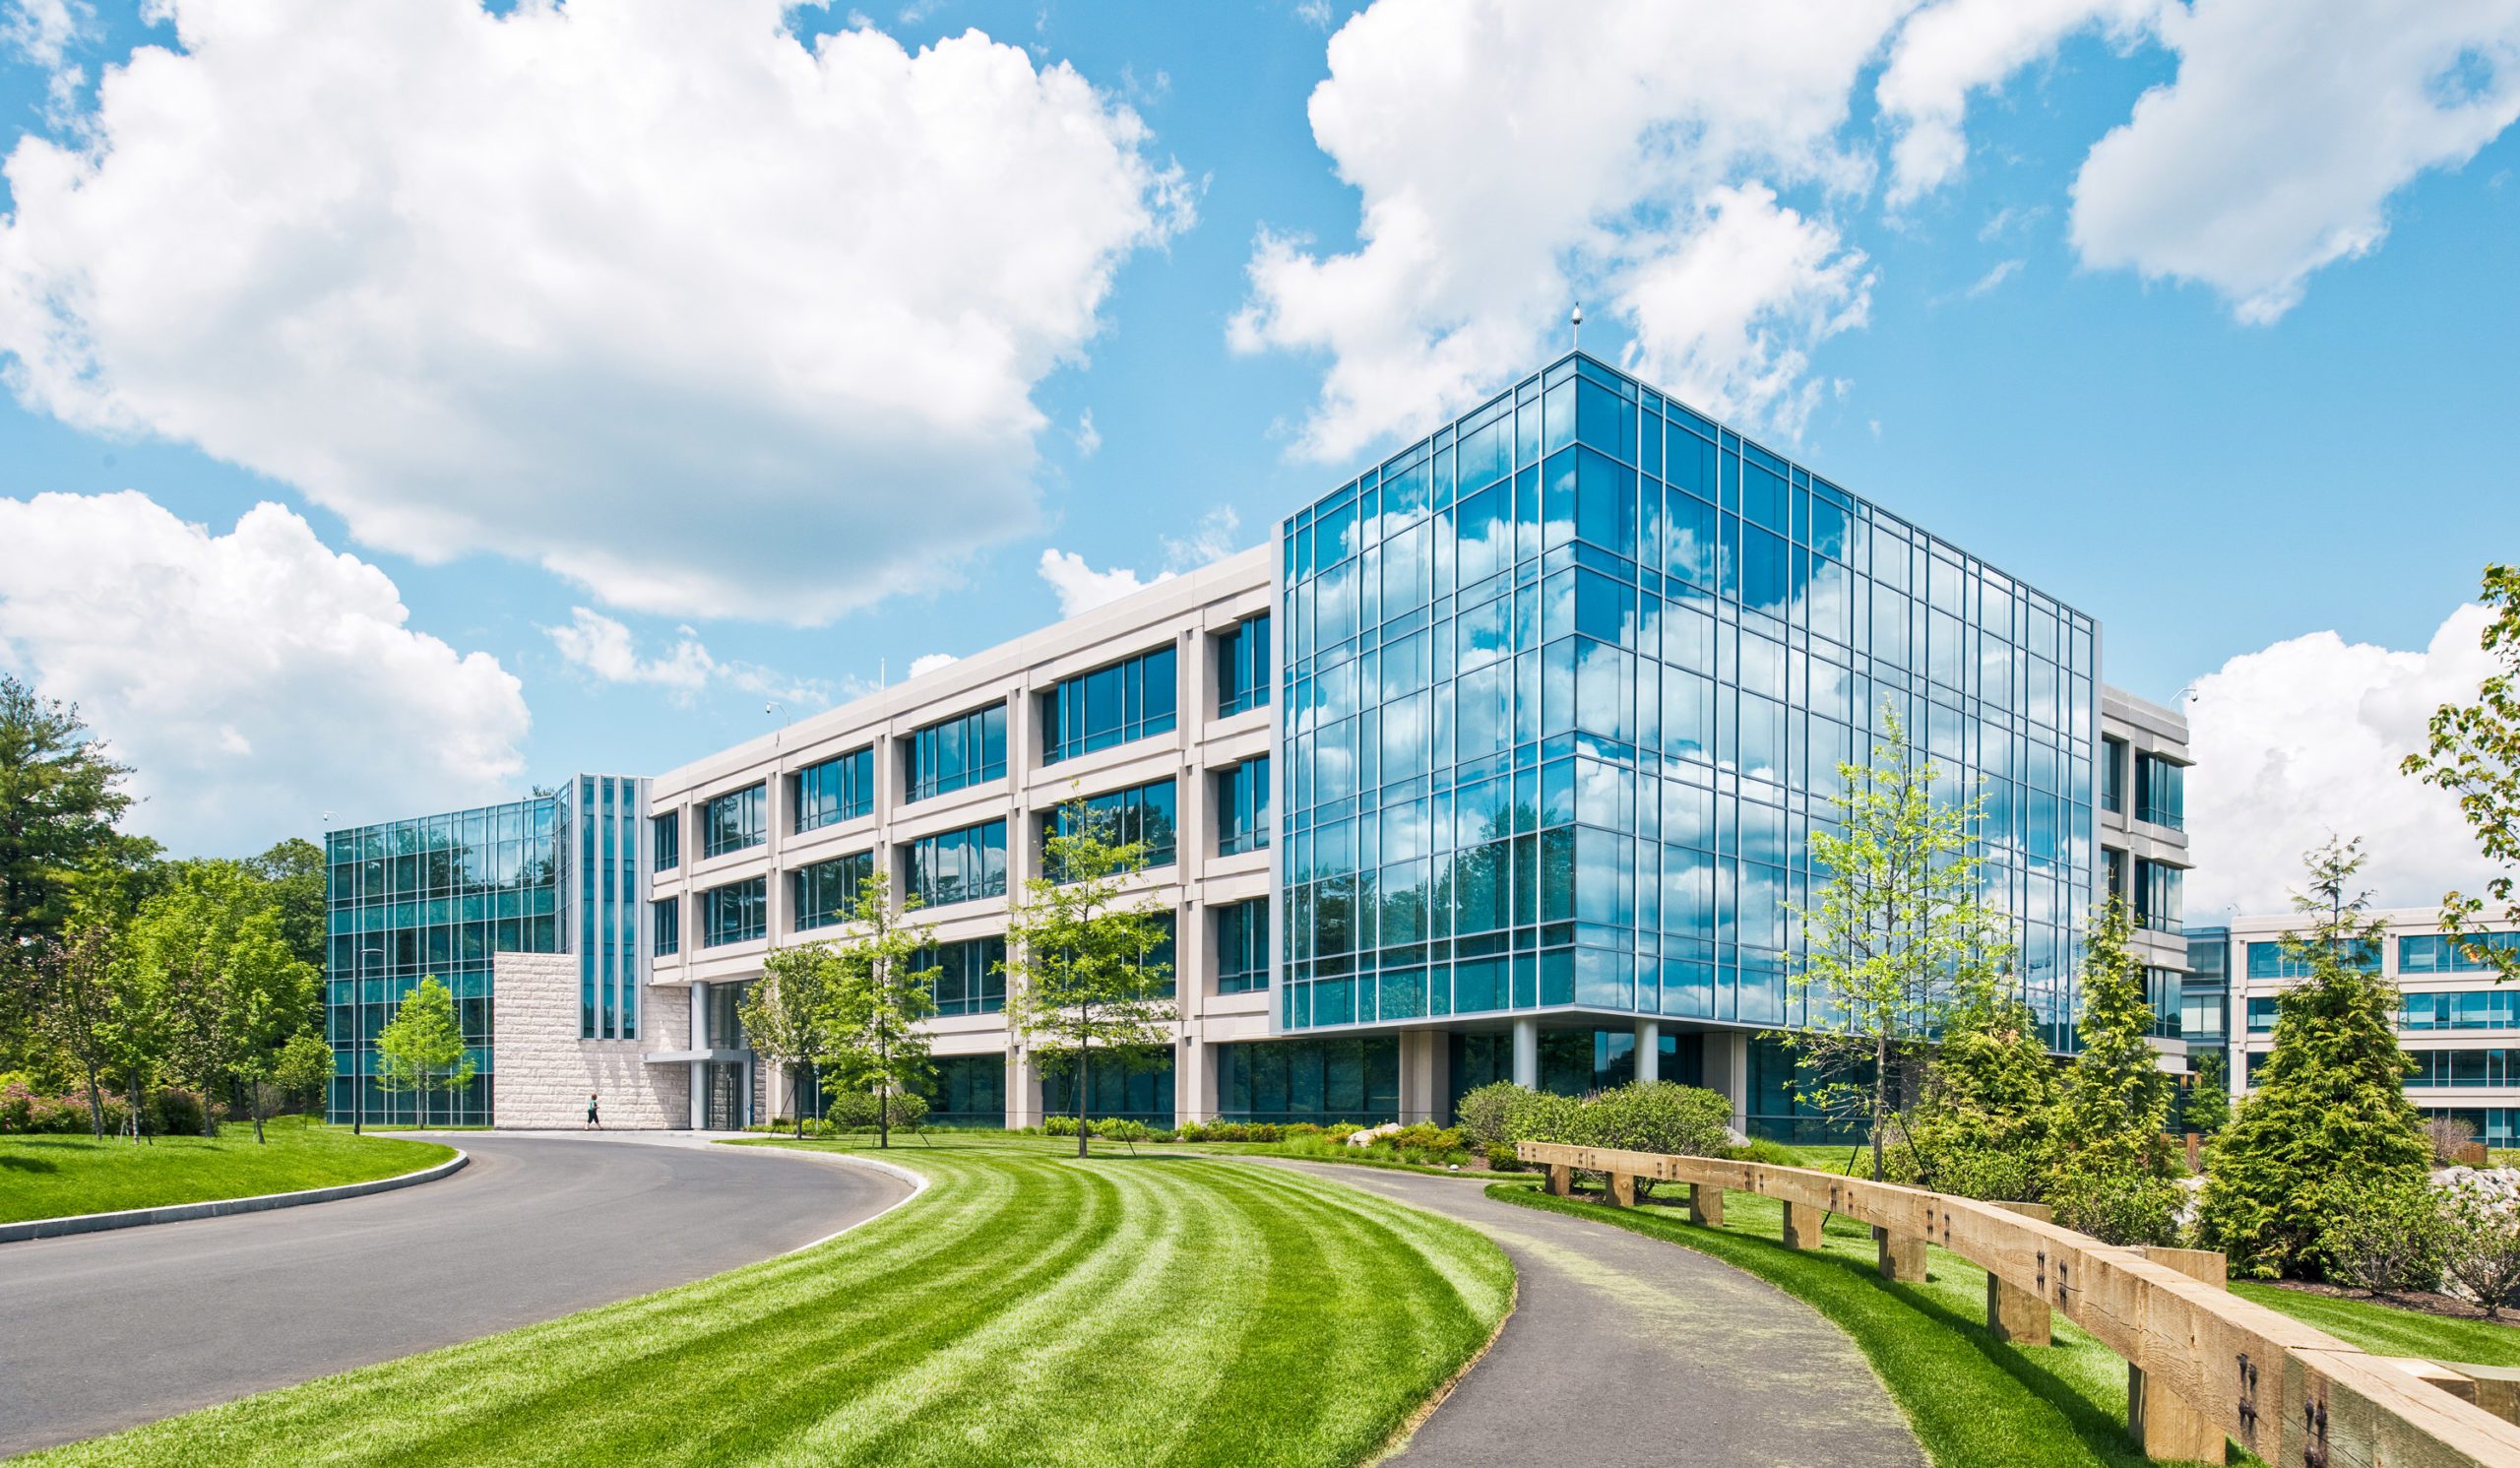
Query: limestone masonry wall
{"points": [[543, 1072]]}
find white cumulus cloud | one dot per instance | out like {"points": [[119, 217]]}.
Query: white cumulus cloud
{"points": [[255, 678], [605, 649], [1508, 156], [705, 318], [2288, 128], [926, 663], [2301, 741], [1081, 588]]}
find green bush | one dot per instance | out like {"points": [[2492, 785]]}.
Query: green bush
{"points": [[2120, 1204], [2481, 1240], [1486, 1115], [1501, 1159], [2388, 1239], [1763, 1150], [1120, 1129], [1058, 1126]]}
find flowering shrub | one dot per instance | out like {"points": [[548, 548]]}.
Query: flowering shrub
{"points": [[2481, 1235], [22, 1112]]}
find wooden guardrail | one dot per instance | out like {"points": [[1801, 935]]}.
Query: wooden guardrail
{"points": [[2203, 1363]]}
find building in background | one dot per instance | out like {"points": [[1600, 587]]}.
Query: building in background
{"points": [[470, 897], [1498, 761], [2460, 1027]]}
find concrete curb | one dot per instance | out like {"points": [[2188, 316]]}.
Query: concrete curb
{"points": [[133, 1218]]}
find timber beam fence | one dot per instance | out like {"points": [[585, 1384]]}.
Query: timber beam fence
{"points": [[2203, 1363]]}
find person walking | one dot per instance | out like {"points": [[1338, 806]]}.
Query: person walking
{"points": [[593, 1122]]}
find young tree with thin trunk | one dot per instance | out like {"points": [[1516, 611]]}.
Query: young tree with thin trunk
{"points": [[1900, 942], [235, 988], [877, 997], [68, 990], [2328, 1106], [785, 1015], [2474, 753], [304, 1068], [1085, 986], [422, 1047]]}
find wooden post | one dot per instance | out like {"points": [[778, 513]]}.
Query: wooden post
{"points": [[2169, 1430], [1561, 1180], [2498, 1388], [2015, 1315], [1623, 1190], [1902, 1257], [1803, 1225], [1706, 1204]]}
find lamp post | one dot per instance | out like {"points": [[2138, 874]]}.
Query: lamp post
{"points": [[358, 1046]]}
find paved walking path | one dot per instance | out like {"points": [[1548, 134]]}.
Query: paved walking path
{"points": [[101, 1331], [1626, 1350]]}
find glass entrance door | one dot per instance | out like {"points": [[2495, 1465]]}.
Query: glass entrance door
{"points": [[725, 1096]]}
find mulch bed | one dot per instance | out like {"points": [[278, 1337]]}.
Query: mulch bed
{"points": [[2422, 1302]]}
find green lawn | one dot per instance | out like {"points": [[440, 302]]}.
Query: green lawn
{"points": [[1027, 1308], [52, 1176], [2391, 1331], [1974, 1402]]}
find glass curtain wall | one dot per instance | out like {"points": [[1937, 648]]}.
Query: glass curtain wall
{"points": [[1567, 686]]}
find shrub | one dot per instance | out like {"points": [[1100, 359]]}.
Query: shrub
{"points": [[1058, 1126], [905, 1111], [1501, 1159], [2387, 1240], [1762, 1149], [1120, 1129], [17, 1104], [1655, 1116], [175, 1113], [2447, 1135], [2120, 1204], [2480, 1239], [1486, 1115]]}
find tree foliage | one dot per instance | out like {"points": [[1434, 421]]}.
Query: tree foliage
{"points": [[786, 1015], [2208, 1108], [1900, 944], [2328, 1103], [1086, 988], [1986, 1128], [60, 794], [2472, 751], [213, 949], [2116, 1097], [876, 997], [422, 1047]]}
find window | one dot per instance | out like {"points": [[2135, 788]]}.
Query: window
{"points": [[835, 791], [2268, 960], [2462, 1010], [1323, 1081], [1142, 814], [665, 920], [1242, 666], [1242, 807], [2113, 775], [825, 894], [959, 753], [733, 821], [1108, 707], [668, 840], [1242, 946], [2160, 792], [2438, 1069], [2439, 953], [2200, 1016], [2157, 895], [737, 913], [2261, 1016], [957, 866], [971, 977], [970, 1091]]}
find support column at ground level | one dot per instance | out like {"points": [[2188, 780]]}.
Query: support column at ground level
{"points": [[1422, 1095], [1194, 1087], [2015, 1315], [1527, 1053], [1727, 1073], [1022, 1089], [1649, 1050]]}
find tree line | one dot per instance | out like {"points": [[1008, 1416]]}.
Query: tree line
{"points": [[126, 974]]}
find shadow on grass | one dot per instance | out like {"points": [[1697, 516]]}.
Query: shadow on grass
{"points": [[17, 1163]]}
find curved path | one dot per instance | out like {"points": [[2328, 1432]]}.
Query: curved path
{"points": [[102, 1331], [1627, 1350]]}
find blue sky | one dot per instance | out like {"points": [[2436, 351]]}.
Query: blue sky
{"points": [[2196, 314]]}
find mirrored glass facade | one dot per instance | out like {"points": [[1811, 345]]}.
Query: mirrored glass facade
{"points": [[1566, 685]]}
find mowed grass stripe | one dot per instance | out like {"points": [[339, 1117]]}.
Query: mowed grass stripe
{"points": [[1027, 1308]]}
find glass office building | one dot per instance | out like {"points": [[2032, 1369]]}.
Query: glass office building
{"points": [[1565, 688], [444, 895]]}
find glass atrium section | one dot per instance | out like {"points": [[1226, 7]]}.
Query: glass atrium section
{"points": [[1242, 807], [1142, 814], [957, 866], [971, 975], [1110, 706], [1242, 666], [599, 819], [1568, 682], [1242, 946], [734, 822], [825, 894], [737, 913], [441, 895], [959, 753], [836, 789], [1354, 1079]]}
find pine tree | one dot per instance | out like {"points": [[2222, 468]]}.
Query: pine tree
{"points": [[2328, 1103], [1986, 1128], [2209, 1101], [2117, 1099]]}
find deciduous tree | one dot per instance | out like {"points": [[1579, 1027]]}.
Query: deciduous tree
{"points": [[1900, 942], [877, 997], [786, 1014], [2474, 753], [422, 1047], [60, 794], [1085, 983]]}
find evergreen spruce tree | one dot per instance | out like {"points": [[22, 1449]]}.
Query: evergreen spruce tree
{"points": [[2209, 1101], [2116, 1100], [2328, 1118], [1986, 1128]]}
